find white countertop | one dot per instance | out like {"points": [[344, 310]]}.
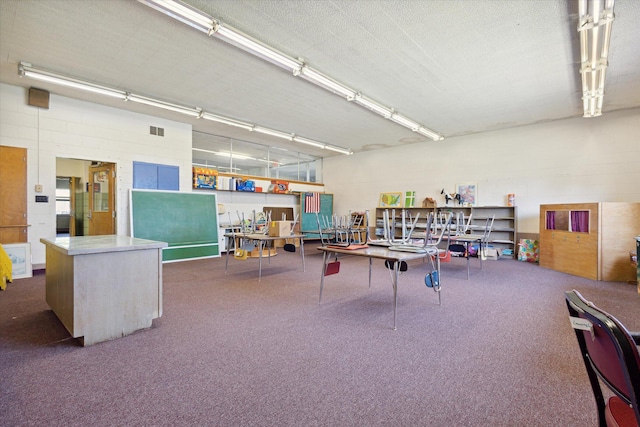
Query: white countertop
{"points": [[81, 245]]}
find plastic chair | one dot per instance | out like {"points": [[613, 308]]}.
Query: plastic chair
{"points": [[611, 356]]}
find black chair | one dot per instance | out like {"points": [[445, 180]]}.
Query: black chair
{"points": [[611, 357]]}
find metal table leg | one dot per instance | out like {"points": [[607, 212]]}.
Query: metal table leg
{"points": [[396, 273], [324, 270], [226, 263], [467, 253], [260, 247]]}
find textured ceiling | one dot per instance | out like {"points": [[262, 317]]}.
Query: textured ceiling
{"points": [[457, 67]]}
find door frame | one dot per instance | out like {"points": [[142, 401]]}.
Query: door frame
{"points": [[81, 167]]}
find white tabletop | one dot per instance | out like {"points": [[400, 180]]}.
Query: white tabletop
{"points": [[81, 245], [375, 252]]}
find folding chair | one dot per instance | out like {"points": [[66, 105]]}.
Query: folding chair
{"points": [[611, 356]]}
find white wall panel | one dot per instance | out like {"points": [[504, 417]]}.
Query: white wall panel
{"points": [[80, 130], [572, 160]]}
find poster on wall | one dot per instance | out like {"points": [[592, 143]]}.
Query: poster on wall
{"points": [[390, 200], [20, 256], [468, 194]]}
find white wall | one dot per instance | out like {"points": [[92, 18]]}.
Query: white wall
{"points": [[76, 129], [572, 160]]}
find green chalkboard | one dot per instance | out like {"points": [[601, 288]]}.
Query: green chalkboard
{"points": [[188, 222], [308, 222]]}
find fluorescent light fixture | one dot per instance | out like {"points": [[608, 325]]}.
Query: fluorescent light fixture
{"points": [[26, 70], [327, 82], [193, 112], [227, 121], [401, 120], [373, 106], [306, 141], [256, 47], [183, 13], [276, 133], [594, 27], [429, 133], [213, 27], [338, 149]]}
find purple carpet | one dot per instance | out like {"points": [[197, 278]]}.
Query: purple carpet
{"points": [[230, 350]]}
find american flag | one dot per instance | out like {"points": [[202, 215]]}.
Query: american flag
{"points": [[312, 202]]}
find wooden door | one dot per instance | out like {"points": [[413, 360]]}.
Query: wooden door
{"points": [[13, 195], [102, 210]]}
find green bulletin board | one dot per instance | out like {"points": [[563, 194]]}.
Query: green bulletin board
{"points": [[308, 222], [188, 222]]}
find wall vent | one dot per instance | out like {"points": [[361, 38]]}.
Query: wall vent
{"points": [[153, 130]]}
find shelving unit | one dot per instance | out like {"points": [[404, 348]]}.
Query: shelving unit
{"points": [[410, 214], [503, 234]]}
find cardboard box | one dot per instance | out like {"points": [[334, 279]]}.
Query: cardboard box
{"points": [[429, 203], [492, 253], [280, 228]]}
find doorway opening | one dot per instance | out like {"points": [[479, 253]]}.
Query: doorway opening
{"points": [[85, 197]]}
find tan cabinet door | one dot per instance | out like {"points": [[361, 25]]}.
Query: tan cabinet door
{"points": [[13, 195], [102, 210]]}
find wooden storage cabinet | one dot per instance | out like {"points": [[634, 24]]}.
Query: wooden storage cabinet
{"points": [[601, 252]]}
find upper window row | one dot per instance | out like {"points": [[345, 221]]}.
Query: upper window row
{"points": [[239, 157]]}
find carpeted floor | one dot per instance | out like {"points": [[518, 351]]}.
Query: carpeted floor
{"points": [[230, 350]]}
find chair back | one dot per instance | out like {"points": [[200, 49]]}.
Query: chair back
{"points": [[609, 353]]}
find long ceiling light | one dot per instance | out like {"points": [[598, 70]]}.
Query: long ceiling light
{"points": [[256, 47], [401, 120], [337, 149], [227, 121], [373, 106], [594, 27], [183, 13], [26, 70], [212, 27], [272, 132], [307, 141], [193, 112], [326, 82]]}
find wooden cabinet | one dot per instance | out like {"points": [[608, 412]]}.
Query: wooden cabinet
{"points": [[13, 195], [104, 287], [591, 240]]}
